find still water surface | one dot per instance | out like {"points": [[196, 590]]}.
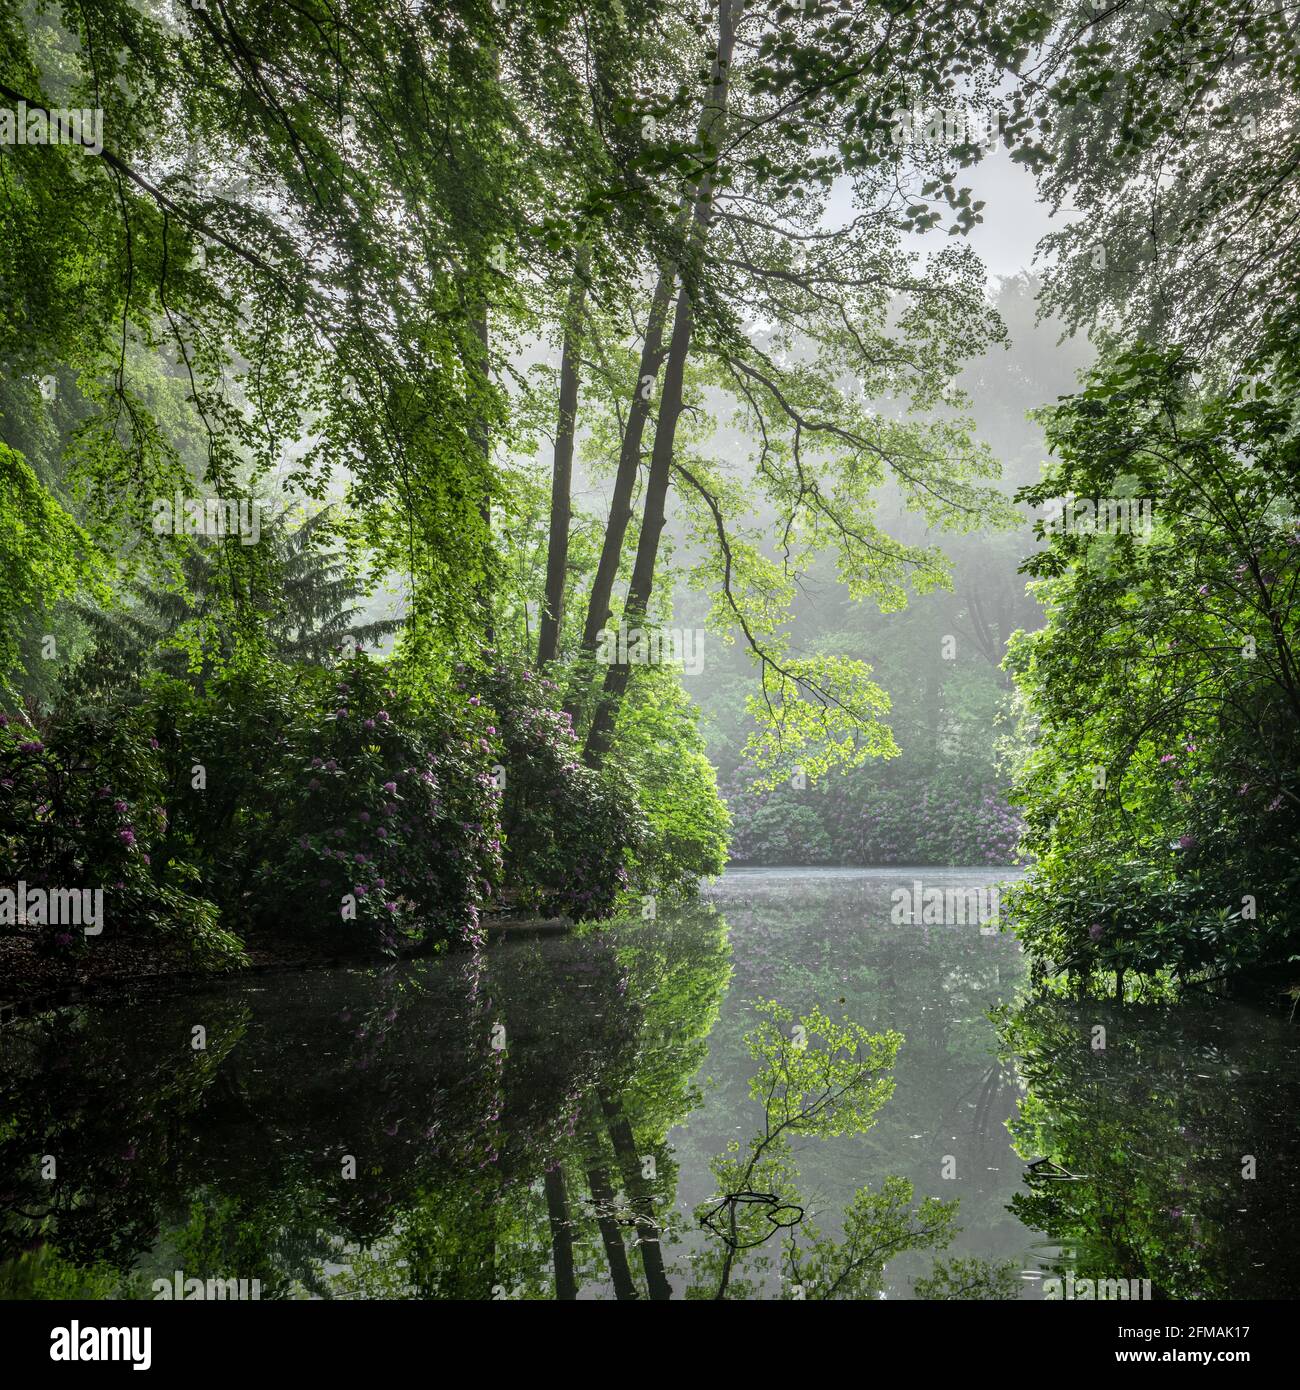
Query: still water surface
{"points": [[541, 1120]]}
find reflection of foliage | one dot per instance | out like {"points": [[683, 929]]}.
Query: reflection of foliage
{"points": [[46, 1275], [453, 1245], [404, 1078], [877, 1226], [678, 970], [1157, 1126], [228, 1238], [564, 1161], [828, 939], [818, 1079], [112, 1143], [973, 1279], [723, 1223], [834, 1088]]}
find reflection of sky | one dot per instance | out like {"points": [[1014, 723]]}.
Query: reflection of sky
{"points": [[824, 936]]}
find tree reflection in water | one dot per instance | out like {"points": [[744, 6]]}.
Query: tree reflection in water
{"points": [[498, 1126]]}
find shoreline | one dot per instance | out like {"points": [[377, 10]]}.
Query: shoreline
{"points": [[30, 984]]}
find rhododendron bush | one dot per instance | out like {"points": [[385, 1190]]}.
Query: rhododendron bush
{"points": [[352, 806], [877, 816], [571, 833], [377, 823], [82, 806]]}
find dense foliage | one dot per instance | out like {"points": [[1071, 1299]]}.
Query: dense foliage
{"points": [[875, 816], [1161, 791], [630, 250]]}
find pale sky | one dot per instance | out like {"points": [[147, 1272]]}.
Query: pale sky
{"points": [[1014, 218]]}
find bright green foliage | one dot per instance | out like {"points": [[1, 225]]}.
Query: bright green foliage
{"points": [[835, 725], [659, 747], [1183, 1213], [44, 554], [972, 1279], [1160, 793], [47, 1275], [821, 1079]]}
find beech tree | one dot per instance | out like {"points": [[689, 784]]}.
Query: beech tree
{"points": [[796, 104]]}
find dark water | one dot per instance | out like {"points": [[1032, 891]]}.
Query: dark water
{"points": [[542, 1120]]}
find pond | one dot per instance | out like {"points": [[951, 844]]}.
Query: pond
{"points": [[541, 1120]]}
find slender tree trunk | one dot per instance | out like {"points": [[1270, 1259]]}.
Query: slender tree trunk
{"points": [[483, 440], [599, 606], [557, 551], [557, 1208], [601, 733]]}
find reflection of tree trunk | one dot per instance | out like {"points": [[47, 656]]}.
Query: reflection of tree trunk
{"points": [[557, 1208], [642, 1199], [602, 1194]]}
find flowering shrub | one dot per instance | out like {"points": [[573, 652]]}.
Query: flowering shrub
{"points": [[331, 802], [572, 835], [81, 808], [361, 803], [876, 819]]}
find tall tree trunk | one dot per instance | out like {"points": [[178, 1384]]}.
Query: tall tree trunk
{"points": [[483, 439], [601, 733], [557, 1208], [599, 605], [557, 551]]}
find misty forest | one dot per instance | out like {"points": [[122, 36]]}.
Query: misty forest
{"points": [[649, 649]]}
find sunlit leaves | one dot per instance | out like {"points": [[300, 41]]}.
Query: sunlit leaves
{"points": [[814, 714]]}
